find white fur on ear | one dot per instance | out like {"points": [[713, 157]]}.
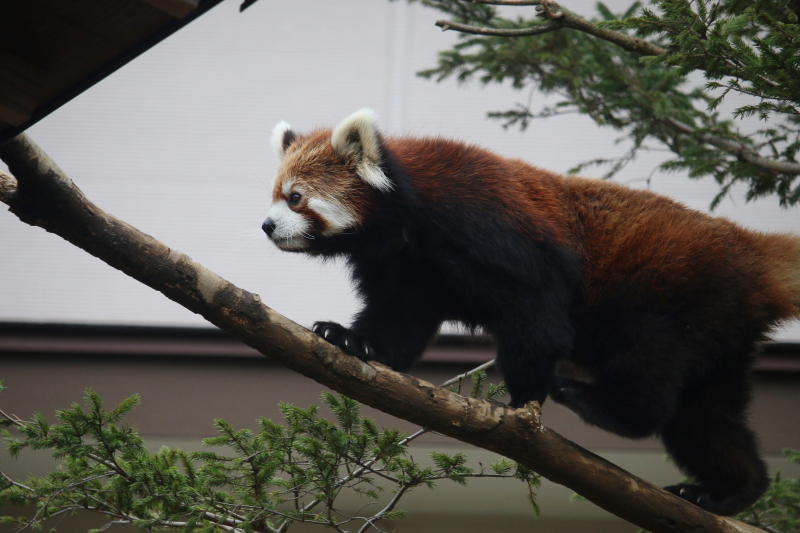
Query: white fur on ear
{"points": [[357, 135], [279, 137]]}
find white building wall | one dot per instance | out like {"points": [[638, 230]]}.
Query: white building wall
{"points": [[177, 144]]}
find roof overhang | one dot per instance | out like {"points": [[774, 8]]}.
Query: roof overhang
{"points": [[53, 50]]}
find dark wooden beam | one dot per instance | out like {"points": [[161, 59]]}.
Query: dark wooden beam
{"points": [[176, 8], [20, 88]]}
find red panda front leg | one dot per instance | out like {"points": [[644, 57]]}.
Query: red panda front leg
{"points": [[528, 377], [391, 332], [529, 344]]}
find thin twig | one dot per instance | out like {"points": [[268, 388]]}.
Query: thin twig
{"points": [[17, 421], [356, 473], [20, 485], [465, 375], [110, 464], [548, 27], [61, 511], [624, 41], [235, 515], [386, 509], [507, 2], [62, 490]]}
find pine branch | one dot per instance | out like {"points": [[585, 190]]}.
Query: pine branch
{"points": [[361, 470], [558, 19], [742, 151], [391, 505], [624, 41], [15, 483], [46, 197], [6, 179]]}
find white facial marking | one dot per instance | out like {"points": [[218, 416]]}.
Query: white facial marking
{"points": [[286, 187], [291, 229], [337, 217]]}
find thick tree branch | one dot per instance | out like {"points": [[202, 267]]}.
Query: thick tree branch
{"points": [[7, 185], [44, 196]]}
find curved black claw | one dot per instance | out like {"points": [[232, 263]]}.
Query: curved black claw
{"points": [[347, 340], [568, 392], [696, 495]]}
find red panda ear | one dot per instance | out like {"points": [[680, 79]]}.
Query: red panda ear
{"points": [[282, 138], [357, 137]]}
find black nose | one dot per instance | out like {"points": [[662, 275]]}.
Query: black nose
{"points": [[268, 226]]}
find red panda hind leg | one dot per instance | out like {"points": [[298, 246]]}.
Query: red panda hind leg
{"points": [[709, 440]]}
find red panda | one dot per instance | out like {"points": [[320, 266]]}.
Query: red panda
{"points": [[659, 305]]}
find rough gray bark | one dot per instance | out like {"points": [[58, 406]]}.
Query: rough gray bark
{"points": [[40, 194]]}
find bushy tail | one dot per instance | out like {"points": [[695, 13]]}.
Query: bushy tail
{"points": [[782, 259]]}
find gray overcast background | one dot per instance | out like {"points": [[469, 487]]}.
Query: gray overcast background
{"points": [[177, 144]]}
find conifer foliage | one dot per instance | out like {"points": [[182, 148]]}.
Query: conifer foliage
{"points": [[247, 481], [778, 510], [640, 73]]}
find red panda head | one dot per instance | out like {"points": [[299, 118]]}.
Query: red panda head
{"points": [[326, 182]]}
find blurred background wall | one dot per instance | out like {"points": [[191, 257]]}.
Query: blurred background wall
{"points": [[177, 144]]}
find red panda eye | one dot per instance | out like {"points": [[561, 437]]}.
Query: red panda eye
{"points": [[294, 198]]}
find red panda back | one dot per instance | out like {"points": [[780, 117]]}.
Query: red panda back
{"points": [[446, 172], [624, 237], [638, 238]]}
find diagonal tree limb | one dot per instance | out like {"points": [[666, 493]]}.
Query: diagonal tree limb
{"points": [[40, 194]]}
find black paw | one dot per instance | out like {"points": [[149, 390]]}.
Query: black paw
{"points": [[693, 494], [568, 392], [347, 340]]}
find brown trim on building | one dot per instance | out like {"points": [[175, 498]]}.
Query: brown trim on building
{"points": [[50, 339]]}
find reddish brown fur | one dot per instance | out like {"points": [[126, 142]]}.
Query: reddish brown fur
{"points": [[477, 176], [635, 237], [622, 235]]}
